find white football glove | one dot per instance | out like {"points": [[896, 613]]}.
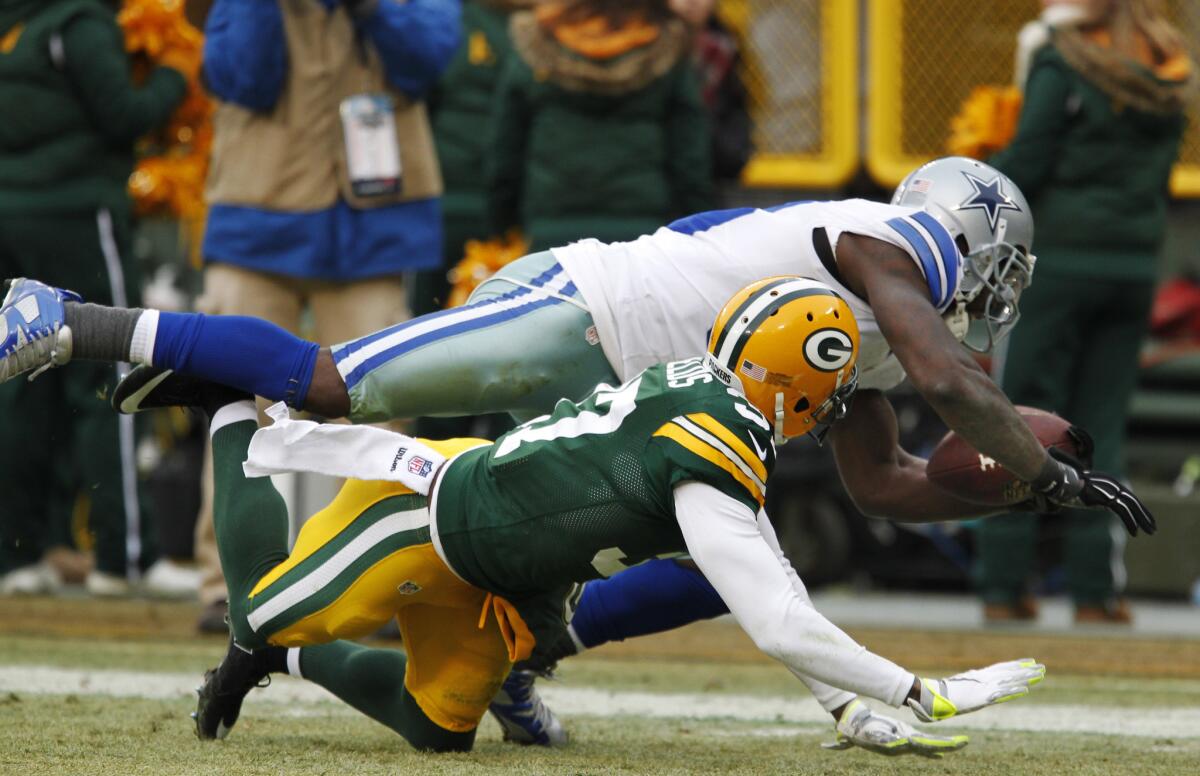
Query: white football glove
{"points": [[862, 727], [973, 690]]}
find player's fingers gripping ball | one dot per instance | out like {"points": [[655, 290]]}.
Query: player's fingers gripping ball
{"points": [[958, 468]]}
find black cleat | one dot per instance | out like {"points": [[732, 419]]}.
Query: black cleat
{"points": [[226, 686], [147, 387]]}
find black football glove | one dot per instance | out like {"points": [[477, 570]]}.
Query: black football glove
{"points": [[1040, 501], [1066, 482]]}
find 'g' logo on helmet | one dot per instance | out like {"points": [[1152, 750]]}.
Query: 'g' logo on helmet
{"points": [[828, 349]]}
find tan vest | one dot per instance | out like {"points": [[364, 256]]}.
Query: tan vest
{"points": [[294, 158]]}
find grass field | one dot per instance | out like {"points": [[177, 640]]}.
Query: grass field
{"points": [[104, 688]]}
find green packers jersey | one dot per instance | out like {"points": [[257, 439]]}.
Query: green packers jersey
{"points": [[586, 491]]}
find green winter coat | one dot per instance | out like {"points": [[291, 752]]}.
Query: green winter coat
{"points": [[611, 148], [460, 111], [70, 111], [1095, 177]]}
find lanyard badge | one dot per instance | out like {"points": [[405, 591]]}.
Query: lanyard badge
{"points": [[372, 150]]}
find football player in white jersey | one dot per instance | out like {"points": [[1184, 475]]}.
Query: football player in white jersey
{"points": [[953, 247]]}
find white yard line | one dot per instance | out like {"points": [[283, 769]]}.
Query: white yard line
{"points": [[1177, 722]]}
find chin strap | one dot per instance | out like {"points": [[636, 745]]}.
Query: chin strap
{"points": [[780, 439], [957, 320]]}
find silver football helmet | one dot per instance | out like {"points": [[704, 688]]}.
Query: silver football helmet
{"points": [[990, 221]]}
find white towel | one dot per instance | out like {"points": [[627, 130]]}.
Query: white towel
{"points": [[358, 452]]}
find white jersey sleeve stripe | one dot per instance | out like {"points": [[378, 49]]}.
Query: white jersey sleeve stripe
{"points": [[721, 447], [946, 248], [940, 261], [925, 253]]}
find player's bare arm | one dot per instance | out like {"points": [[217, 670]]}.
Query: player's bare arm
{"points": [[881, 477], [327, 396], [939, 367]]}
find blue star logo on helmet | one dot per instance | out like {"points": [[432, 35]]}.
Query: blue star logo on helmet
{"points": [[988, 196]]}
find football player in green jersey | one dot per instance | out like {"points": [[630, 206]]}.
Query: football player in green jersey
{"points": [[955, 244], [674, 460]]}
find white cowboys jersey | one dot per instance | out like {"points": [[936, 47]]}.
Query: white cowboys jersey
{"points": [[654, 299]]}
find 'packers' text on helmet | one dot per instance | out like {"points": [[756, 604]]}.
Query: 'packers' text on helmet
{"points": [[789, 344], [992, 225]]}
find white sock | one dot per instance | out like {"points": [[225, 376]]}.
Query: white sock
{"points": [[293, 662], [141, 348], [579, 646], [234, 412]]}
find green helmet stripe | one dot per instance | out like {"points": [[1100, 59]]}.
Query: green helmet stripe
{"points": [[751, 327], [729, 323]]}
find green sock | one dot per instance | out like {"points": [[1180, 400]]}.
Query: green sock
{"points": [[249, 515], [372, 681]]}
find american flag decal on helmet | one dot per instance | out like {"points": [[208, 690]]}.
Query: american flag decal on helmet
{"points": [[753, 370]]}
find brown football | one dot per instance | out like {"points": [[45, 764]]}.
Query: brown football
{"points": [[958, 468]]}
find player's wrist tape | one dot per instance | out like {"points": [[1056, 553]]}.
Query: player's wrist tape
{"points": [[1056, 479]]}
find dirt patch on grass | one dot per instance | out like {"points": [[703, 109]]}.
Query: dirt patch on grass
{"points": [[1076, 653], [1102, 653]]}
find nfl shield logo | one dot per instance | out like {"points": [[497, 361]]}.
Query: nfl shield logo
{"points": [[419, 466]]}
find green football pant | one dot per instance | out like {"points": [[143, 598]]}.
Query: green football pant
{"points": [[523, 342], [63, 451], [362, 560], [1075, 352]]}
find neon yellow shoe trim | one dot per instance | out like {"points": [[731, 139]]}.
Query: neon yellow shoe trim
{"points": [[948, 742]]}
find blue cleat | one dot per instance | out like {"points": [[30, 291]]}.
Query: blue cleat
{"points": [[33, 331], [523, 715]]}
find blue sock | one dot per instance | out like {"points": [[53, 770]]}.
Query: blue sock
{"points": [[246, 353], [655, 596]]}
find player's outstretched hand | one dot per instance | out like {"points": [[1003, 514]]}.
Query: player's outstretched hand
{"points": [[1074, 485], [860, 726], [973, 690]]}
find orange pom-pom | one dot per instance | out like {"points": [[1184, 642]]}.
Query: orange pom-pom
{"points": [[481, 260], [986, 122], [169, 178]]}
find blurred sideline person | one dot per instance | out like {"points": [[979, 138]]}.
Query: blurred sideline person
{"points": [[324, 184], [1099, 132], [717, 61], [598, 127], [675, 459], [954, 247], [71, 116], [460, 109]]}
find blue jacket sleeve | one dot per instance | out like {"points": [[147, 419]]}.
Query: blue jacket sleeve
{"points": [[245, 53], [415, 40]]}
